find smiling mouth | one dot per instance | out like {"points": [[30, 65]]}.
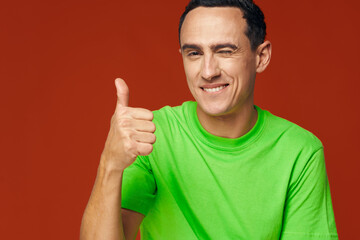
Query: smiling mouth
{"points": [[214, 89]]}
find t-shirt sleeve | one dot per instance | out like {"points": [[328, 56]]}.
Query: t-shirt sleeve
{"points": [[308, 212], [138, 186]]}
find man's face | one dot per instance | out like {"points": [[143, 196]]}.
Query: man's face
{"points": [[219, 64]]}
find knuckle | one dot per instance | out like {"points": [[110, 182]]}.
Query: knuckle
{"points": [[128, 135], [129, 146], [124, 122]]}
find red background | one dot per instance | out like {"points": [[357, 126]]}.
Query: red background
{"points": [[59, 59]]}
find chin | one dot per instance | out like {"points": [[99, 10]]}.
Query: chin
{"points": [[213, 109]]}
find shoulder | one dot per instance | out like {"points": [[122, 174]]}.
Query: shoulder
{"points": [[168, 114], [300, 147], [172, 127], [290, 133]]}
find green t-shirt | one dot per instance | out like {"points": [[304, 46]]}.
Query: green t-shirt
{"points": [[270, 183]]}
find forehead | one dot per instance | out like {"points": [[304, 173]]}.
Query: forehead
{"points": [[210, 25]]}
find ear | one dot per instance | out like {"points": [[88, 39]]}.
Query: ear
{"points": [[180, 50], [263, 56]]}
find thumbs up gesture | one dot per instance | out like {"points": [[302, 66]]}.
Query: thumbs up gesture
{"points": [[131, 131]]}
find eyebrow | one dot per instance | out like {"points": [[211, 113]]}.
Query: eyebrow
{"points": [[224, 45], [190, 46], [213, 47]]}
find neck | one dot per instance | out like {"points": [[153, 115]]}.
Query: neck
{"points": [[232, 125]]}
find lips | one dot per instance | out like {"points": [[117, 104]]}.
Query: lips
{"points": [[213, 87]]}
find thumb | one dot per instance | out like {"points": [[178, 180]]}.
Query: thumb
{"points": [[122, 92]]}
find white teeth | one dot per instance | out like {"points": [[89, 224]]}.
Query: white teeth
{"points": [[214, 89]]}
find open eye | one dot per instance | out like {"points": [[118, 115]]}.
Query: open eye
{"points": [[193, 53]]}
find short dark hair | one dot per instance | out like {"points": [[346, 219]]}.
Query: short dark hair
{"points": [[256, 27]]}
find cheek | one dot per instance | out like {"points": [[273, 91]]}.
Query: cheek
{"points": [[190, 73], [233, 69], [189, 78], [239, 70]]}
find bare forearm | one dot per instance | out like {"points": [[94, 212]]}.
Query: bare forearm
{"points": [[131, 134], [102, 216]]}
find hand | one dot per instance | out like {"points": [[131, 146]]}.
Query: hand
{"points": [[131, 131]]}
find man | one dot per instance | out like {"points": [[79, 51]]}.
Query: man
{"points": [[221, 168]]}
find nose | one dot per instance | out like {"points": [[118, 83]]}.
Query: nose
{"points": [[210, 68]]}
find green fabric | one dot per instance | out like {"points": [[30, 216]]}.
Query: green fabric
{"points": [[268, 184]]}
